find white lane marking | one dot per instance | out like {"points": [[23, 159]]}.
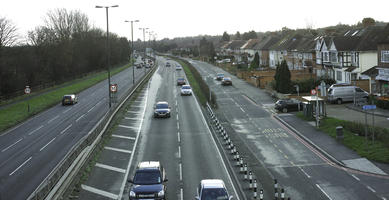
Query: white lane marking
{"points": [[133, 149], [51, 120], [116, 169], [383, 198], [12, 145], [242, 110], [135, 112], [180, 166], [137, 106], [20, 166], [182, 194], [129, 127], [306, 174], [178, 125], [176, 103], [41, 126], [355, 177], [98, 103], [118, 150], [179, 151], [63, 131], [67, 110], [177, 117], [124, 137], [138, 101], [47, 144], [178, 137], [318, 186], [132, 118], [80, 117], [371, 189], [99, 192], [91, 108]]}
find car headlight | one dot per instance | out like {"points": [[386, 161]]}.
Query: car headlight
{"points": [[132, 194], [161, 193]]}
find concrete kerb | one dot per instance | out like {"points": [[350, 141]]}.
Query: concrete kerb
{"points": [[310, 142]]}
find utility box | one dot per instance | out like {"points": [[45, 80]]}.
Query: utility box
{"points": [[307, 108]]}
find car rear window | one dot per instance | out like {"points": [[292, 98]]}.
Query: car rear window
{"points": [[185, 87], [162, 106], [147, 177]]}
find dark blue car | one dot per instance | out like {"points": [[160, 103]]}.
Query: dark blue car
{"points": [[148, 181]]}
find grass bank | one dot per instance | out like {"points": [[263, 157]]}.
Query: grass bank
{"points": [[18, 112], [354, 138]]}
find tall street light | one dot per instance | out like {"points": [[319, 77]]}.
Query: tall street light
{"points": [[144, 40], [132, 49], [108, 53]]}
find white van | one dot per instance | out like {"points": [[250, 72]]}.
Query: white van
{"points": [[340, 94]]}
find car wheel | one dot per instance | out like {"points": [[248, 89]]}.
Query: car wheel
{"points": [[284, 110], [339, 101]]}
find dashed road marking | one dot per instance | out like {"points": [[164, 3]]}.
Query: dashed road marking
{"points": [[306, 174], [63, 131], [116, 169], [285, 156], [124, 137], [178, 125], [20, 166], [178, 137], [179, 151], [51, 120], [371, 189], [292, 163], [66, 110], [118, 150], [41, 126], [12, 145], [132, 118], [182, 193], [99, 192], [177, 116], [180, 166], [91, 109], [318, 186], [355, 177], [80, 117], [135, 112], [47, 144]]}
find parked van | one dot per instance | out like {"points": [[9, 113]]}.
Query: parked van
{"points": [[339, 93]]}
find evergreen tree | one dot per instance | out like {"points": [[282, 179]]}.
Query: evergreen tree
{"points": [[282, 77], [255, 63], [237, 36], [225, 37]]}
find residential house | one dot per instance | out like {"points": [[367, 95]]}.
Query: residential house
{"points": [[248, 48], [233, 48], [262, 47]]}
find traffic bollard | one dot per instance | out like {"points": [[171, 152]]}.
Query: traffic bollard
{"points": [[261, 194], [241, 168], [245, 174], [282, 194], [245, 167], [255, 193], [251, 179], [275, 194], [275, 183]]}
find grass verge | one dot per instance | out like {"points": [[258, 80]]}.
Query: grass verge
{"points": [[377, 151], [18, 112]]}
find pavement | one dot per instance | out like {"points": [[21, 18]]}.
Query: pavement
{"points": [[330, 146]]}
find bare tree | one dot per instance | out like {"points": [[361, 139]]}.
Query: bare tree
{"points": [[8, 35]]}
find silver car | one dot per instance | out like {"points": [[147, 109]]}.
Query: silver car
{"points": [[212, 189], [340, 94], [161, 109]]}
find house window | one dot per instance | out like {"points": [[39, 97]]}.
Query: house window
{"points": [[326, 57], [353, 76], [334, 57], [385, 56], [338, 75]]}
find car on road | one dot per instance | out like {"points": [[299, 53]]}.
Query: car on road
{"points": [[69, 99], [186, 90], [343, 93], [212, 189], [219, 76], [167, 64], [226, 81], [178, 67], [161, 109], [181, 81], [286, 105], [149, 181]]}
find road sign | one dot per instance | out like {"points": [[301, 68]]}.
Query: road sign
{"points": [[369, 107], [313, 92], [27, 90], [113, 88]]}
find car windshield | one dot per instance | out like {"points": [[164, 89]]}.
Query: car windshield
{"points": [[214, 194], [162, 106], [181, 79], [147, 177], [186, 87], [220, 75], [227, 79], [67, 97]]}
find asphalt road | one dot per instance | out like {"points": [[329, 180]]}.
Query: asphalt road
{"points": [[30, 151], [304, 173], [183, 144]]}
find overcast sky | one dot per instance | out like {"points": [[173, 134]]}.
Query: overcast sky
{"points": [[179, 18]]}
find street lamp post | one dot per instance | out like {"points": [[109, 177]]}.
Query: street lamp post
{"points": [[132, 49], [108, 52], [144, 40]]}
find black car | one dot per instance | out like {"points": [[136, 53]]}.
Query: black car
{"points": [[69, 99], [286, 105], [149, 181], [181, 81], [226, 81]]}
